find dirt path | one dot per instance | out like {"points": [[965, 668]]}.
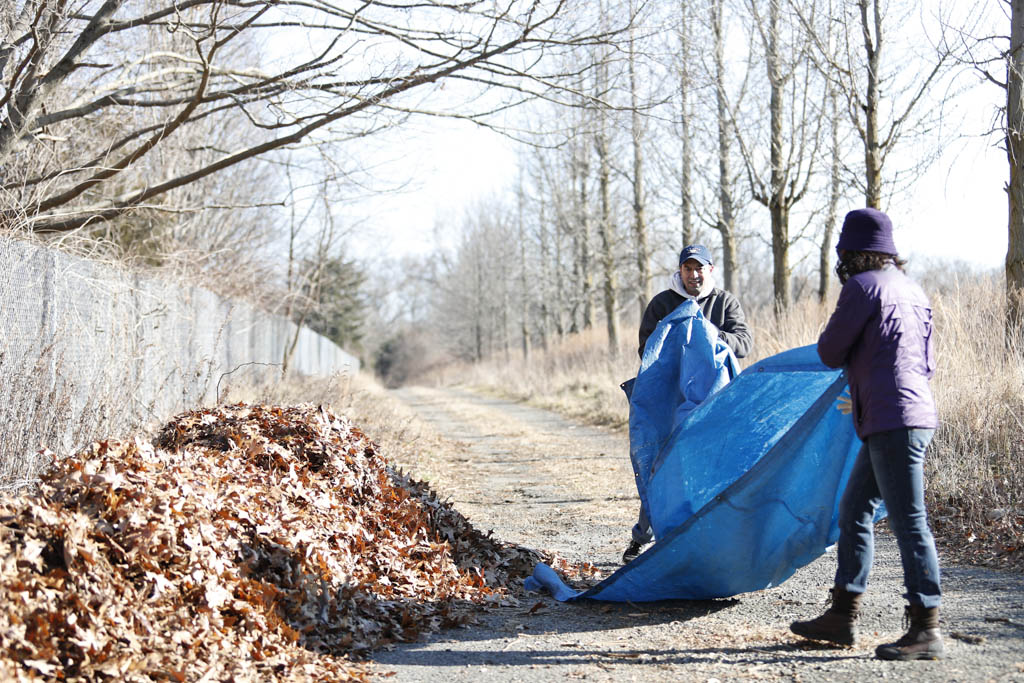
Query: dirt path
{"points": [[541, 481]]}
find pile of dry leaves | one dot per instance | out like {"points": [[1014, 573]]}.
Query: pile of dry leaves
{"points": [[247, 543]]}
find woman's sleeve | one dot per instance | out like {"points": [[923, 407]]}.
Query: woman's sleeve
{"points": [[844, 327]]}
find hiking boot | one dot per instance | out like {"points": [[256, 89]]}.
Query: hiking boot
{"points": [[921, 641], [632, 552], [837, 624]]}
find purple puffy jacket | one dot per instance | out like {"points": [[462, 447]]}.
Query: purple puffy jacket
{"points": [[881, 332]]}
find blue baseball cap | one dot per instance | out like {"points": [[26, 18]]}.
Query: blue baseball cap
{"points": [[695, 251]]}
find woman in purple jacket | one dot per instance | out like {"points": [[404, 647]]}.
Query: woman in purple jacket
{"points": [[881, 334]]}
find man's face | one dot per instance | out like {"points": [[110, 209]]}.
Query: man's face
{"points": [[692, 272]]}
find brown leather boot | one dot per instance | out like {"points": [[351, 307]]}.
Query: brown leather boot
{"points": [[837, 624], [921, 641]]}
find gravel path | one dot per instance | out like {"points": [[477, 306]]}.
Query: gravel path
{"points": [[541, 481]]}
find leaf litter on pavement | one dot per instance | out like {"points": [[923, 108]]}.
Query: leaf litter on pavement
{"points": [[245, 543]]}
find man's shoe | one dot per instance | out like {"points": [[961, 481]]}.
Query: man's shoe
{"points": [[632, 552]]}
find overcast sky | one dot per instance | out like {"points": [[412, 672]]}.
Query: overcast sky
{"points": [[957, 211]]}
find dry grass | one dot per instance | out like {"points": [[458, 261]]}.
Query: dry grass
{"points": [[35, 411], [56, 397], [976, 466], [577, 377], [975, 471]]}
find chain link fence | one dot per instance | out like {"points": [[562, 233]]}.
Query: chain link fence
{"points": [[90, 351]]}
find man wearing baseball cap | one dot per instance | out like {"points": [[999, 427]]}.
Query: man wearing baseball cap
{"points": [[694, 280]]}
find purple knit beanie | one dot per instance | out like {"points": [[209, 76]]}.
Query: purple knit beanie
{"points": [[867, 230]]}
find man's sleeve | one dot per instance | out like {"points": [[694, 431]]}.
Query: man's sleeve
{"points": [[648, 322], [734, 330], [845, 325]]}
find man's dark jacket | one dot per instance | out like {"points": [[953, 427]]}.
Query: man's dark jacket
{"points": [[719, 307]]}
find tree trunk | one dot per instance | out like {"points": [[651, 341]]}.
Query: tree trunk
{"points": [[545, 280], [524, 297], [586, 267], [832, 216], [506, 328], [639, 221], [1015, 189], [780, 256], [686, 179], [607, 242], [729, 261], [576, 303], [561, 288], [872, 148], [726, 210], [478, 308], [778, 202]]}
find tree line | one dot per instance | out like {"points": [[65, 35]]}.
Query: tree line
{"points": [[749, 125], [222, 137], [219, 136]]}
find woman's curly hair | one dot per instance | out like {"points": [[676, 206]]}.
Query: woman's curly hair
{"points": [[853, 262]]}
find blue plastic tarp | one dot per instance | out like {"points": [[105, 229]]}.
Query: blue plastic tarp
{"points": [[742, 483], [684, 362]]}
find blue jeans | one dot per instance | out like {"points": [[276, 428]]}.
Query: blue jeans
{"points": [[642, 532], [889, 468]]}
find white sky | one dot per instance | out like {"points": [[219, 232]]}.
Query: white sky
{"points": [[451, 165], [956, 211]]}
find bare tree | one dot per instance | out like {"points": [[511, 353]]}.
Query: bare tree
{"points": [[524, 290], [602, 147], [304, 277], [544, 303], [1015, 188], [678, 140], [726, 219], [643, 258], [793, 137], [583, 229], [554, 191], [686, 151], [552, 198], [464, 305], [884, 91], [90, 91], [1011, 130], [834, 195]]}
